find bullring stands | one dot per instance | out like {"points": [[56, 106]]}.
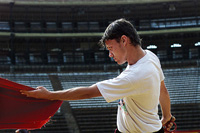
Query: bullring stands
{"points": [[96, 115]]}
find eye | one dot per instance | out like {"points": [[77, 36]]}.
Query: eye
{"points": [[109, 48]]}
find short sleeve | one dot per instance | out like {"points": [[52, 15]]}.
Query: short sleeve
{"points": [[162, 77], [114, 89]]}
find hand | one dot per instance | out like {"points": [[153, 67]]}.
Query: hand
{"points": [[40, 93], [168, 123]]}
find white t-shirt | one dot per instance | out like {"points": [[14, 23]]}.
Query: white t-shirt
{"points": [[138, 87]]}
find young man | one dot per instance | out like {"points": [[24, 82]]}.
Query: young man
{"points": [[140, 87]]}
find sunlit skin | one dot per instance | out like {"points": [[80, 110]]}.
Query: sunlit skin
{"points": [[124, 51], [116, 51]]}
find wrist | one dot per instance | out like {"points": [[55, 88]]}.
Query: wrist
{"points": [[166, 118], [51, 95]]}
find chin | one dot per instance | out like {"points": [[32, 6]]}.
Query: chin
{"points": [[120, 63]]}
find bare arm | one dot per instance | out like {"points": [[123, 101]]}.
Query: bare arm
{"points": [[165, 103], [70, 94], [166, 107]]}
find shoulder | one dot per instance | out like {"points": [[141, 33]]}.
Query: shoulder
{"points": [[152, 56]]}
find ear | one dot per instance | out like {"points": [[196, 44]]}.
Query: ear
{"points": [[124, 39]]}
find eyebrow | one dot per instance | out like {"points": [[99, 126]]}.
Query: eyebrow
{"points": [[109, 47]]}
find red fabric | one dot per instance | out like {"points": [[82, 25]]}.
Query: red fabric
{"points": [[20, 112]]}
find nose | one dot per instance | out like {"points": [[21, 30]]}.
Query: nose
{"points": [[110, 54]]}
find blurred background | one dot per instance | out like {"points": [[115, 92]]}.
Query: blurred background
{"points": [[54, 43]]}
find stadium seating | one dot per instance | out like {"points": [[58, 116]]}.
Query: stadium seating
{"points": [[41, 38], [102, 119], [97, 115]]}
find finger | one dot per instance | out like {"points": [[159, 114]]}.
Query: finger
{"points": [[39, 87], [23, 91], [164, 122], [27, 93], [173, 118], [170, 125], [168, 129]]}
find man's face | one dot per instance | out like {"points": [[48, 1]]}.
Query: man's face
{"points": [[116, 51]]}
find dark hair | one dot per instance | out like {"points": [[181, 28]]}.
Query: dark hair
{"points": [[118, 28]]}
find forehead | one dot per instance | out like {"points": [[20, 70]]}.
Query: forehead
{"points": [[110, 42]]}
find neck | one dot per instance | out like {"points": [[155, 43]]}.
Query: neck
{"points": [[134, 53]]}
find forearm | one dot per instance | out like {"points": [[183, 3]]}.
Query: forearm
{"points": [[165, 104], [71, 94], [165, 101]]}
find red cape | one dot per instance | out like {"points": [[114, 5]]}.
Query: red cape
{"points": [[20, 112]]}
